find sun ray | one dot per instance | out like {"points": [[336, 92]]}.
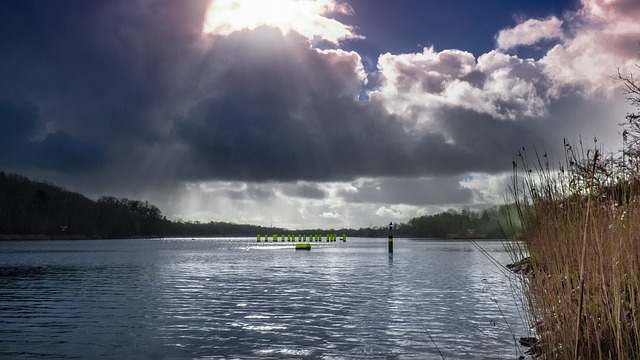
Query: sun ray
{"points": [[307, 17]]}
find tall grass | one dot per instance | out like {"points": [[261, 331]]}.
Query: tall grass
{"points": [[580, 225]]}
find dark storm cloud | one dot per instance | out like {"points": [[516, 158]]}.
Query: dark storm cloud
{"points": [[290, 115], [61, 152], [103, 69], [250, 192], [427, 191], [58, 151], [17, 123], [139, 81], [305, 191], [338, 139], [493, 142]]}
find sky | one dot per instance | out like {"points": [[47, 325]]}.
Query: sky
{"points": [[306, 113]]}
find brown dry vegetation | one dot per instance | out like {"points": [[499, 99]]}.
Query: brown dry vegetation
{"points": [[580, 225]]}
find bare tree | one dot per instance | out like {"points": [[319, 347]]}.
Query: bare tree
{"points": [[630, 162]]}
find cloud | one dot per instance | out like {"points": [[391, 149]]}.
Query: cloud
{"points": [[241, 122], [264, 105], [287, 112], [17, 123], [408, 191], [21, 148], [62, 152], [306, 17], [390, 212], [627, 10], [304, 190], [530, 32], [488, 189], [497, 84], [603, 37], [330, 215]]}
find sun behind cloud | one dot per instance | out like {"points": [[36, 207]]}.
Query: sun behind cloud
{"points": [[307, 17]]}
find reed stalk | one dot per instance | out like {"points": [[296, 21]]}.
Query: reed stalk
{"points": [[579, 226]]}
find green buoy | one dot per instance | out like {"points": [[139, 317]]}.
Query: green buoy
{"points": [[303, 246]]}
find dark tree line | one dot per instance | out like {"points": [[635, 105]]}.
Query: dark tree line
{"points": [[217, 228], [487, 223], [125, 218], [37, 209], [32, 207]]}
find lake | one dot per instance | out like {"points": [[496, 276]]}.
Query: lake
{"points": [[234, 298]]}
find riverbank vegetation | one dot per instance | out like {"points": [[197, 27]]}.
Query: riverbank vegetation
{"points": [[34, 210], [488, 223], [581, 230]]}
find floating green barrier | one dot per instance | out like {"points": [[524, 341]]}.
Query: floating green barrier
{"points": [[303, 246], [301, 237]]}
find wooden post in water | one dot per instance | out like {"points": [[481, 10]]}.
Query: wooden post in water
{"points": [[390, 238]]}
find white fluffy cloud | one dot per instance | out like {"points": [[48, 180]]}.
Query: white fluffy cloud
{"points": [[488, 188], [626, 10], [496, 84], [330, 215], [599, 38], [604, 38], [530, 32]]}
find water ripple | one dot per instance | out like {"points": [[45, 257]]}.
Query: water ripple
{"points": [[232, 299]]}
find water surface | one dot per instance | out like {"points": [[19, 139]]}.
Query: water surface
{"points": [[238, 299]]}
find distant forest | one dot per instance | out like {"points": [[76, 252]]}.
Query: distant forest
{"points": [[38, 210]]}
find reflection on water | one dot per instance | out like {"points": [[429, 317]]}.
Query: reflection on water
{"points": [[233, 298]]}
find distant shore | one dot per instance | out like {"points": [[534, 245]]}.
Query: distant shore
{"points": [[35, 237]]}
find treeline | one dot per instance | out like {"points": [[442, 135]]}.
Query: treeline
{"points": [[217, 228], [32, 209], [488, 223]]}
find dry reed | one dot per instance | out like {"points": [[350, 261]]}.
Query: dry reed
{"points": [[580, 225]]}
